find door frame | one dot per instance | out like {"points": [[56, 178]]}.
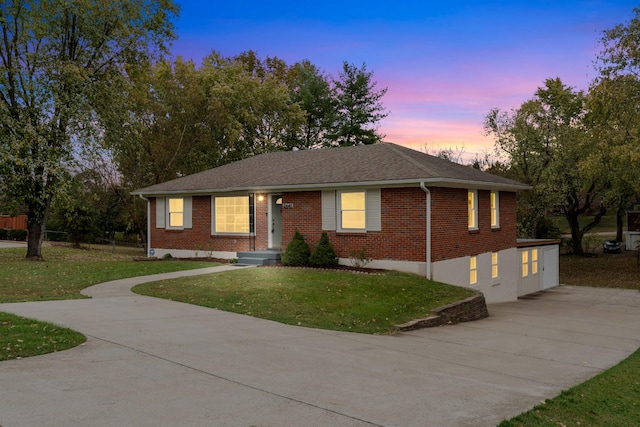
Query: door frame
{"points": [[274, 223]]}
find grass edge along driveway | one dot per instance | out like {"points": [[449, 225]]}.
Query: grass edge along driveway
{"points": [[324, 299]]}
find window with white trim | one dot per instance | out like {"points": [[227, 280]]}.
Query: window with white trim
{"points": [[176, 212], [534, 261], [525, 263], [495, 209], [473, 270], [529, 260], [472, 205], [353, 210], [494, 265], [232, 215]]}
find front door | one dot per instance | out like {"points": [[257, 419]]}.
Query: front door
{"points": [[275, 221]]}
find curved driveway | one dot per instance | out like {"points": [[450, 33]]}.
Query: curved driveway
{"points": [[150, 362]]}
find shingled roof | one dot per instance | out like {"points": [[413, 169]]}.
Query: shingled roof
{"points": [[383, 164]]}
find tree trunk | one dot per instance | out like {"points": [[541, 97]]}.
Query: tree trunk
{"points": [[36, 231], [576, 237], [37, 214], [619, 223]]}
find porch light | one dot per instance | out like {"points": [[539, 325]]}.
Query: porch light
{"points": [[260, 198]]}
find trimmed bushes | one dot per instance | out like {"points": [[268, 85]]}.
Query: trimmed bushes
{"points": [[297, 252], [323, 254]]}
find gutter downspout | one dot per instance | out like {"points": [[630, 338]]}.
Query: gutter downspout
{"points": [[148, 222], [428, 208]]}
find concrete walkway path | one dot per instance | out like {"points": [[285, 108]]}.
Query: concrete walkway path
{"points": [[150, 362]]}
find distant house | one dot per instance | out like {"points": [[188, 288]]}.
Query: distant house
{"points": [[409, 211]]}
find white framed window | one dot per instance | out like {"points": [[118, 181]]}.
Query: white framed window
{"points": [[494, 265], [176, 212], [472, 205], [495, 209], [231, 215], [529, 260], [353, 210], [534, 261], [525, 263], [473, 270]]}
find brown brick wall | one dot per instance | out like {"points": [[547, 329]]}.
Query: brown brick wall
{"points": [[451, 237], [403, 226]]}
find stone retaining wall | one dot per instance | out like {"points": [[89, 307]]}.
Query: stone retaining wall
{"points": [[472, 308]]}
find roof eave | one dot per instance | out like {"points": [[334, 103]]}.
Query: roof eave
{"points": [[437, 182]]}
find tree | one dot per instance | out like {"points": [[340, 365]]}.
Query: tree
{"points": [[59, 63], [546, 142], [359, 107], [313, 92], [614, 106]]}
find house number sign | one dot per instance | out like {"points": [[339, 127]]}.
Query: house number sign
{"points": [[288, 205]]}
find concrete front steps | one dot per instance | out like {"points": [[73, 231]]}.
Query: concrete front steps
{"points": [[259, 257]]}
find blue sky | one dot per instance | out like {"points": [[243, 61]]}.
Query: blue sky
{"points": [[445, 64]]}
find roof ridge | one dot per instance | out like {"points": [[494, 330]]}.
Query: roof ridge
{"points": [[397, 149], [297, 165]]}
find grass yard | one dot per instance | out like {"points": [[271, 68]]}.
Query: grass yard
{"points": [[66, 271], [20, 337], [609, 399], [601, 270], [336, 300]]}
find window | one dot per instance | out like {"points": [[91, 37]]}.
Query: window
{"points": [[534, 261], [232, 215], [472, 202], [494, 265], [176, 213], [495, 209], [525, 263], [529, 262], [473, 270], [352, 211]]}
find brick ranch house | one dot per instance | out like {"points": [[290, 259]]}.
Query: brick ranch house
{"points": [[408, 210]]}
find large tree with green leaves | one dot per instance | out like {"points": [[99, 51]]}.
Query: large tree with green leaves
{"points": [[359, 107], [614, 114], [59, 63], [547, 141]]}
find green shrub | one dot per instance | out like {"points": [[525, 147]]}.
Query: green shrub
{"points": [[20, 235], [323, 254], [297, 252], [3, 233]]}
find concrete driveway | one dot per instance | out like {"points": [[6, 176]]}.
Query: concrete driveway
{"points": [[150, 362]]}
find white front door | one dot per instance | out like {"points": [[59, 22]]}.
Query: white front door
{"points": [[550, 265], [275, 221]]}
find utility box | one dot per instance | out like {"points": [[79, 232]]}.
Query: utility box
{"points": [[633, 230]]}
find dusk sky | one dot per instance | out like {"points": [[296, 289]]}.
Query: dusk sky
{"points": [[445, 64]]}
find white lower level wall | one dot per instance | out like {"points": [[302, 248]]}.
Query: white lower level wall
{"points": [[501, 289], [185, 253]]}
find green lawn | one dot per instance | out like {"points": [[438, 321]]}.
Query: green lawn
{"points": [[335, 300], [609, 399], [66, 271], [21, 337], [601, 270]]}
